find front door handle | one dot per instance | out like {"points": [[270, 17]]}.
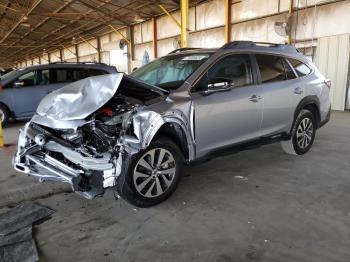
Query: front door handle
{"points": [[255, 98], [298, 91]]}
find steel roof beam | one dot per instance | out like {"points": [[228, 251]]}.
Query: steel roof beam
{"points": [[14, 27]]}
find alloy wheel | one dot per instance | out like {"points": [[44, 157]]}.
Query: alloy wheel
{"points": [[305, 133], [154, 173]]}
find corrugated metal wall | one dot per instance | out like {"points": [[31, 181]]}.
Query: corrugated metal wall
{"points": [[207, 29], [332, 59]]}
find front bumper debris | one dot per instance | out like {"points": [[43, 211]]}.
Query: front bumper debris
{"points": [[86, 175]]}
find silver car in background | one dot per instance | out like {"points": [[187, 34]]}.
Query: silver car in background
{"points": [[134, 133], [21, 90]]}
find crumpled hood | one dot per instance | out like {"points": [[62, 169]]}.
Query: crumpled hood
{"points": [[79, 99]]}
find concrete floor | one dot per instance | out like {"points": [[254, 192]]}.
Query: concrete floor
{"points": [[283, 208]]}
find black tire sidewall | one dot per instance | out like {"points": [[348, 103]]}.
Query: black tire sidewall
{"points": [[125, 183], [302, 115], [6, 113]]}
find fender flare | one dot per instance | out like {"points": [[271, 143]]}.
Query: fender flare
{"points": [[189, 144], [308, 100]]}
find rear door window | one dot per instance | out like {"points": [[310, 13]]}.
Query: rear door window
{"points": [[274, 69], [66, 75], [60, 75], [97, 72], [300, 68], [80, 73]]}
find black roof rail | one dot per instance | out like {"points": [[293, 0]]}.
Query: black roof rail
{"points": [[83, 63], [262, 45], [236, 44], [183, 49]]}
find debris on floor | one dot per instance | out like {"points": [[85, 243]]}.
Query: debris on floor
{"points": [[16, 240], [243, 178]]}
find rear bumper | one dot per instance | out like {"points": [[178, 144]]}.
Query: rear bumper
{"points": [[326, 120]]}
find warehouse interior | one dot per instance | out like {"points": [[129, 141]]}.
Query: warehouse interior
{"points": [[254, 205], [85, 31]]}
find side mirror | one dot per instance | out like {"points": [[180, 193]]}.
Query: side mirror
{"points": [[218, 87], [18, 83]]}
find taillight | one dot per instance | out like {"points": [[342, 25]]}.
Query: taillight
{"points": [[328, 83], [1, 88]]}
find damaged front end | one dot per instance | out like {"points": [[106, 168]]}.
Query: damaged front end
{"points": [[76, 157], [80, 132]]}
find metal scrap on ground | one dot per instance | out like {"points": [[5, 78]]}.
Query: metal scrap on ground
{"points": [[16, 241]]}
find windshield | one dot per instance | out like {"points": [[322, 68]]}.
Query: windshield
{"points": [[7, 75], [170, 72]]}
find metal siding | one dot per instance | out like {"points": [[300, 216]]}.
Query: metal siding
{"points": [[342, 70], [332, 60]]}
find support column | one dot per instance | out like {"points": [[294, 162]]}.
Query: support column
{"points": [[290, 13], [132, 45], [184, 23], [99, 49], [155, 37], [61, 55], [77, 52], [130, 48], [228, 24]]}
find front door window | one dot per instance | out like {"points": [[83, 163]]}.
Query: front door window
{"points": [[233, 71]]}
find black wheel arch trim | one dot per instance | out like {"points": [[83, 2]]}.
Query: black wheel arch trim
{"points": [[307, 101], [175, 132], [8, 108]]}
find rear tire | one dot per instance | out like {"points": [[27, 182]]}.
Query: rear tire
{"points": [[152, 175], [302, 135], [4, 115]]}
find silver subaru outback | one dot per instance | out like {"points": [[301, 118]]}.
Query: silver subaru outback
{"points": [[134, 133]]}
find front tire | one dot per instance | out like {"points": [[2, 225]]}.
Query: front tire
{"points": [[152, 175], [302, 135]]}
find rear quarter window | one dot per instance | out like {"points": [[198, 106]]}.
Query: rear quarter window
{"points": [[300, 68], [66, 75]]}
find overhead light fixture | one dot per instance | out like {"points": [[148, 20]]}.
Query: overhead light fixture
{"points": [[25, 25], [138, 19]]}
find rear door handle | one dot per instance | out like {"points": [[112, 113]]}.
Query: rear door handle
{"points": [[255, 98], [298, 91]]}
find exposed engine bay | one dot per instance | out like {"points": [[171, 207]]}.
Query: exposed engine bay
{"points": [[85, 148], [104, 127]]}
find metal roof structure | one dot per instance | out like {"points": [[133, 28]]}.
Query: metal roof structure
{"points": [[30, 26]]}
